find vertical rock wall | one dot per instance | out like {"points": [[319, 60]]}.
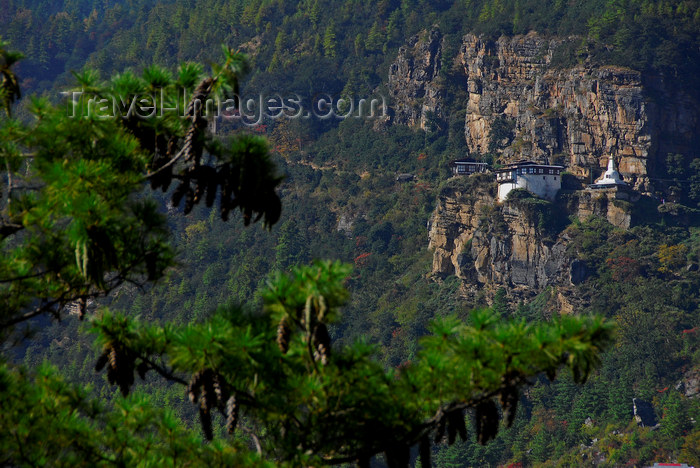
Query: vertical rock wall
{"points": [[522, 106], [519, 105]]}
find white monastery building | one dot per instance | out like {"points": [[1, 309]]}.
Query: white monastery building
{"points": [[543, 180]]}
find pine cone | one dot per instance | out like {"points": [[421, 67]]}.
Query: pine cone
{"points": [[509, 403], [112, 374], [457, 425], [113, 358], [231, 414], [207, 399], [101, 361], [212, 185], [180, 192], [199, 97], [194, 386], [283, 334], [487, 419], [451, 429], [219, 391], [205, 419], [189, 201], [322, 342], [192, 148], [199, 187], [440, 430]]}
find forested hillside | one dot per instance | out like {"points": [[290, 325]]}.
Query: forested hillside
{"points": [[333, 45], [341, 199]]}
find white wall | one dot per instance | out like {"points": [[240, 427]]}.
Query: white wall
{"points": [[542, 185]]}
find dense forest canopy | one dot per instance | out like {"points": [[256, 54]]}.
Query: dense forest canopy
{"points": [[213, 277], [334, 44]]}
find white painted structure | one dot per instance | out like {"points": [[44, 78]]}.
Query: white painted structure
{"points": [[611, 177], [543, 180]]}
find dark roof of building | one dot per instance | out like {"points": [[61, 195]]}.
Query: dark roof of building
{"points": [[527, 163], [468, 161]]}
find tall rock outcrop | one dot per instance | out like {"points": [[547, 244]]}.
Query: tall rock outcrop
{"points": [[517, 243], [520, 104], [414, 82], [457, 216], [485, 243], [577, 117], [612, 204]]}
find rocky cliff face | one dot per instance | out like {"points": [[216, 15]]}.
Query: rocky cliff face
{"points": [[486, 243], [577, 117], [414, 83], [458, 215], [520, 105], [611, 204]]}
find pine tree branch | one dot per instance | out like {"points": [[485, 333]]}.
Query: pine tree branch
{"points": [[163, 372], [21, 278], [422, 429], [164, 166]]}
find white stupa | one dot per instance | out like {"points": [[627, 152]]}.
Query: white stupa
{"points": [[611, 176]]}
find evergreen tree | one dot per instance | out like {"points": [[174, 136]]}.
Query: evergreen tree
{"points": [[329, 42], [375, 39], [74, 229], [675, 421]]}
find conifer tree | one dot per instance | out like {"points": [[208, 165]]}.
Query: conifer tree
{"points": [[73, 229]]}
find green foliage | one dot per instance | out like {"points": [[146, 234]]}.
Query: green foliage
{"points": [[501, 133], [329, 42], [72, 227], [61, 36], [549, 217], [500, 303], [48, 421], [79, 227], [349, 172], [343, 406]]}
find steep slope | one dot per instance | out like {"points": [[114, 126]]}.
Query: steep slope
{"points": [[521, 104]]}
